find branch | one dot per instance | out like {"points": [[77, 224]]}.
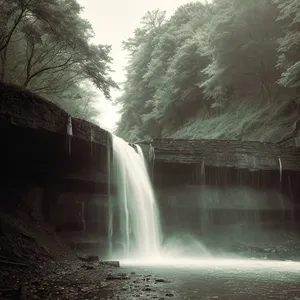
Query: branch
{"points": [[29, 60], [43, 55], [65, 85], [16, 23], [44, 70], [63, 68], [17, 65]]}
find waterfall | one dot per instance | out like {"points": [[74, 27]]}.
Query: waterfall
{"points": [[202, 172], [280, 185], [69, 134], [134, 228], [280, 170], [151, 160]]}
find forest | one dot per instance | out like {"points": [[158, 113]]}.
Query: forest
{"points": [[228, 69], [45, 46], [224, 69]]}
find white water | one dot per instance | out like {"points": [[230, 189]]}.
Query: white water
{"points": [[69, 126], [280, 169], [134, 229], [69, 133]]}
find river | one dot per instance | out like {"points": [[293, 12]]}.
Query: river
{"points": [[235, 280]]}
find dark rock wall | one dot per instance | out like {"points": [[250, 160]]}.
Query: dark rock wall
{"points": [[49, 174], [225, 189], [65, 180], [198, 199], [227, 153]]}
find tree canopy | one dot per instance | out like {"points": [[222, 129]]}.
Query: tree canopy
{"points": [[227, 57], [46, 46]]}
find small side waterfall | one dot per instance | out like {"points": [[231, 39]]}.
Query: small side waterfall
{"points": [[280, 169], [69, 134], [202, 172], [280, 182], [134, 229], [151, 160]]}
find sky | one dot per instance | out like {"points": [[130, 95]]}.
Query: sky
{"points": [[114, 21]]}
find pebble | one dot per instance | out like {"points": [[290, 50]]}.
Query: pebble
{"points": [[161, 280], [169, 294], [65, 280]]}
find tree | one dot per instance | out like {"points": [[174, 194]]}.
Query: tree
{"points": [[183, 98], [54, 40], [242, 47], [137, 88], [81, 102], [182, 55], [159, 53], [45, 46]]}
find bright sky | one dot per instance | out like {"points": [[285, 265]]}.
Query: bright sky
{"points": [[114, 21]]}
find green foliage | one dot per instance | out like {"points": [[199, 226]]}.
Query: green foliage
{"points": [[45, 46], [242, 47], [218, 63], [289, 43]]}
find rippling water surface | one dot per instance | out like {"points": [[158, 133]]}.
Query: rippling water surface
{"points": [[226, 279]]}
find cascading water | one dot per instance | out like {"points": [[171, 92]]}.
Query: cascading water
{"points": [[280, 170], [69, 134], [134, 229], [151, 159], [280, 182]]}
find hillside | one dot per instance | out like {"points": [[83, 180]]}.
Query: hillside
{"points": [[225, 69], [256, 122]]}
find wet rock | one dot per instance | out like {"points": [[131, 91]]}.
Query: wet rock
{"points": [[269, 250], [110, 263], [88, 258], [117, 277], [169, 294], [158, 280], [69, 280]]}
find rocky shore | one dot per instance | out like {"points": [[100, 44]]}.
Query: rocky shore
{"points": [[78, 280], [36, 264]]}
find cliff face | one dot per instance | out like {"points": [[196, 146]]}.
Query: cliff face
{"points": [[227, 153], [223, 190], [55, 176], [60, 174]]}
